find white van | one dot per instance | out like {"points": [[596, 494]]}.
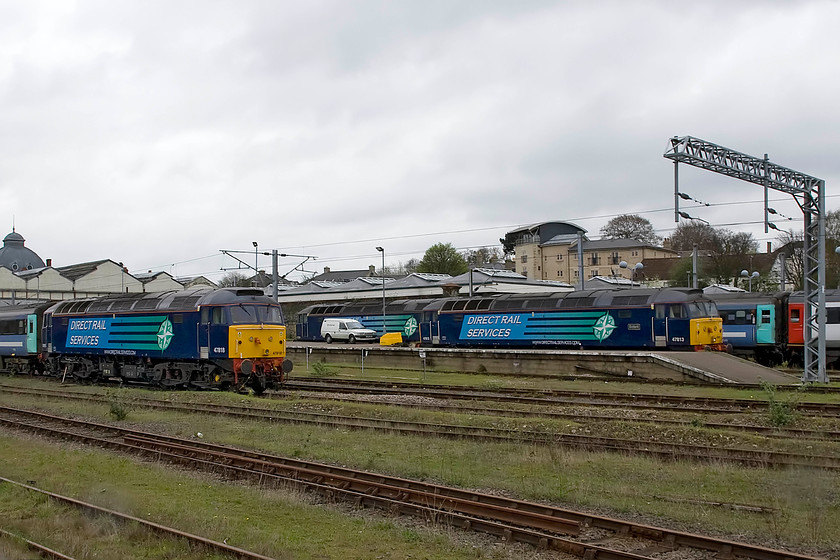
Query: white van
{"points": [[349, 330]]}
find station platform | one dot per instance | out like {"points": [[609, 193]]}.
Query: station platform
{"points": [[699, 367]]}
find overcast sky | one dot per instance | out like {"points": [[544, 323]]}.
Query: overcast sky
{"points": [[157, 133]]}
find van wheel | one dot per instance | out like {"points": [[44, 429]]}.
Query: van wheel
{"points": [[328, 338], [351, 339]]}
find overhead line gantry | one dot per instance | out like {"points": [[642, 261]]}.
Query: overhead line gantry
{"points": [[809, 193]]}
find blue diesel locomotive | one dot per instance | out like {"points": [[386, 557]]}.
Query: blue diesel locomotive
{"points": [[209, 338], [667, 318]]}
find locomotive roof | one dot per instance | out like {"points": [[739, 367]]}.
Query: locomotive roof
{"points": [[747, 298], [174, 300], [22, 310], [603, 297]]}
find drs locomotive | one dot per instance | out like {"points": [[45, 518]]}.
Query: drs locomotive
{"points": [[667, 318], [229, 338]]}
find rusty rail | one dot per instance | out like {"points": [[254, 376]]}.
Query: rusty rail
{"points": [[537, 524]]}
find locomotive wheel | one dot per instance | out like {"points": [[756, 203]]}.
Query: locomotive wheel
{"points": [[328, 338]]}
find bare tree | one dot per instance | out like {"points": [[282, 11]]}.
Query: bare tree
{"points": [[791, 243], [631, 226], [483, 256], [233, 279], [689, 234]]}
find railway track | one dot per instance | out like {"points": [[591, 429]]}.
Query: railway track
{"points": [[545, 526], [554, 397], [203, 542], [460, 408], [660, 450], [41, 549]]}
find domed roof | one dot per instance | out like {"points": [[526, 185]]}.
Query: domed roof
{"points": [[14, 237], [15, 256]]}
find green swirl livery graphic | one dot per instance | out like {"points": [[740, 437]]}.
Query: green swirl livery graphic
{"points": [[410, 326], [603, 327], [165, 334]]}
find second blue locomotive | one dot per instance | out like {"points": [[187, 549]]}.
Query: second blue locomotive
{"points": [[671, 318]]}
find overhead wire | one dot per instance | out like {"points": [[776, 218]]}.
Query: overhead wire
{"points": [[507, 227]]}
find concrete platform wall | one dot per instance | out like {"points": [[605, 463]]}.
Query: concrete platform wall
{"points": [[503, 362]]}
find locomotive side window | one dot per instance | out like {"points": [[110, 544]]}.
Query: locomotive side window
{"points": [[794, 315], [832, 315], [218, 316], [677, 312]]}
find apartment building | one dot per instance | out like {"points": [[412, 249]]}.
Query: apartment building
{"points": [[549, 251]]}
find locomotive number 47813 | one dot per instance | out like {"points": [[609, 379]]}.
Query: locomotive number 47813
{"points": [[219, 349]]}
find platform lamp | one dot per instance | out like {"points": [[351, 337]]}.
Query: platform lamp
{"points": [[636, 267], [746, 274], [381, 250]]}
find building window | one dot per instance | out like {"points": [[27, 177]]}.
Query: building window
{"points": [[524, 259], [593, 273], [559, 257]]}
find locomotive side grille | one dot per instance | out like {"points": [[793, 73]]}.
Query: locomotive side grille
{"points": [[99, 306], [147, 304], [184, 302]]}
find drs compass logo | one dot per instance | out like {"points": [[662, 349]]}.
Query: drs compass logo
{"points": [[410, 326], [165, 334], [603, 327]]}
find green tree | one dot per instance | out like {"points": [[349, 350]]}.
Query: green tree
{"points": [[631, 226], [442, 258]]}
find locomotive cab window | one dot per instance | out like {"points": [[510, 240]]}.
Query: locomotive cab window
{"points": [[794, 315], [241, 313], [218, 316]]}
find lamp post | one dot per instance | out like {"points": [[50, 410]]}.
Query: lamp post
{"points": [[256, 263], [837, 252], [381, 250], [746, 274]]}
